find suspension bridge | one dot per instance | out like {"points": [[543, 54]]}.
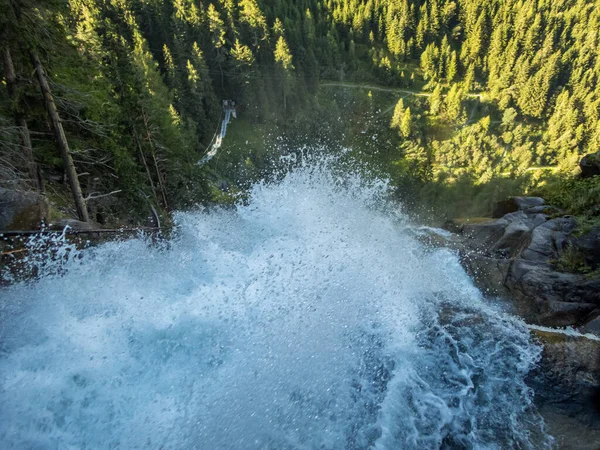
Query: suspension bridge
{"points": [[229, 111]]}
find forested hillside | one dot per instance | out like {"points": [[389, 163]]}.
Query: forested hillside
{"points": [[506, 88]]}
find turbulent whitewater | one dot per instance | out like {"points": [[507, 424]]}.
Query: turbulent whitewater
{"points": [[309, 317]]}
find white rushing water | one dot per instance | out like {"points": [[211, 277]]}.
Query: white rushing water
{"points": [[308, 319]]}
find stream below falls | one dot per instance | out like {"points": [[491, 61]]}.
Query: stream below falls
{"points": [[309, 318]]}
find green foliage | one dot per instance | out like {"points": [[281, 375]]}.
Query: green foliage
{"points": [[283, 57], [461, 196], [514, 85], [406, 127], [578, 197], [398, 114], [572, 260]]}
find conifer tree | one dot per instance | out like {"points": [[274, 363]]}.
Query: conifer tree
{"points": [[398, 114], [436, 101], [283, 59], [217, 30], [406, 123], [452, 71]]}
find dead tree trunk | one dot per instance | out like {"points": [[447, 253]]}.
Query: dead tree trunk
{"points": [[150, 139], [61, 139], [160, 181], [145, 163], [11, 83]]}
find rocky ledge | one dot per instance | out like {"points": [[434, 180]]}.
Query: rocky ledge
{"points": [[531, 254], [548, 270]]}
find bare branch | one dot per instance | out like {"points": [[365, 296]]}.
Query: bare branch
{"points": [[94, 196]]}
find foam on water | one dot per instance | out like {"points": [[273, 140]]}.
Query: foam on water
{"points": [[307, 319]]}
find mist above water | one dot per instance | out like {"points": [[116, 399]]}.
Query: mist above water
{"points": [[308, 318]]}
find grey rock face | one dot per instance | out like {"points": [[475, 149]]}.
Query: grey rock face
{"points": [[484, 235], [490, 274], [593, 326], [547, 241], [515, 257], [21, 210], [567, 379], [524, 203]]}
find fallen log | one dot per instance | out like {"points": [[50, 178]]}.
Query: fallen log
{"points": [[12, 252], [17, 233]]}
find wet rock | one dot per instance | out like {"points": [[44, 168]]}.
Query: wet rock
{"points": [[437, 238], [545, 209], [544, 296], [529, 219], [501, 234], [568, 432], [528, 202], [457, 225], [592, 326], [513, 234], [489, 274], [516, 257], [590, 165], [518, 227], [21, 210], [568, 377], [483, 235]]}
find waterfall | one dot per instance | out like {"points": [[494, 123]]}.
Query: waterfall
{"points": [[309, 317]]}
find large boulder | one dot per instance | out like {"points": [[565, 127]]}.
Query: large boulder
{"points": [[566, 385], [514, 204], [22, 210], [503, 234], [484, 235], [489, 274], [519, 225], [547, 241], [544, 296], [590, 165]]}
